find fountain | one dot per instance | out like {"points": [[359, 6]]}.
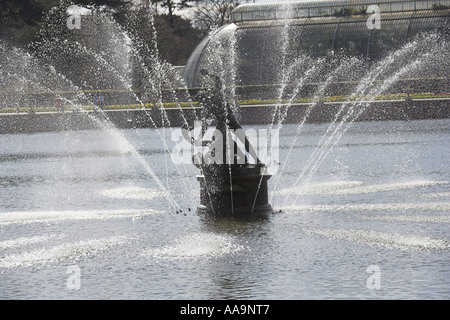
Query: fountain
{"points": [[94, 191], [232, 181], [232, 185], [273, 66]]}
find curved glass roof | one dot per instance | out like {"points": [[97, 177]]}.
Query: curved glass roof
{"points": [[199, 58], [319, 8], [258, 40]]}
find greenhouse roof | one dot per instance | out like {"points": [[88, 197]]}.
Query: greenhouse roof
{"points": [[313, 8]]}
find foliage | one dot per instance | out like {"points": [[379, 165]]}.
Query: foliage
{"points": [[30, 23], [20, 20], [209, 14], [349, 11], [437, 6], [172, 6], [177, 43]]}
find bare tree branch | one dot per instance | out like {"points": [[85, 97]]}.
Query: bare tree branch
{"points": [[213, 13]]}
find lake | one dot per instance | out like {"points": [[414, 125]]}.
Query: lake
{"points": [[82, 217]]}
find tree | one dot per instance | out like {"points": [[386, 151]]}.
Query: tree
{"points": [[176, 43], [172, 6], [19, 20], [213, 13], [119, 8]]}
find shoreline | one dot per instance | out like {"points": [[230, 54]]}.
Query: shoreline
{"points": [[256, 114]]}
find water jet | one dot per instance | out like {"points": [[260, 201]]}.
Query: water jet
{"points": [[237, 186]]}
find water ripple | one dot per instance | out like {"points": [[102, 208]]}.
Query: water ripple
{"points": [[197, 245], [383, 239], [7, 218], [24, 241], [76, 250], [361, 207], [356, 187], [133, 193]]}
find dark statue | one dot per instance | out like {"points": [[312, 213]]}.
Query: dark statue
{"points": [[238, 188]]}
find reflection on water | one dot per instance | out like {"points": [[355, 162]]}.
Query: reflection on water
{"points": [[381, 197]]}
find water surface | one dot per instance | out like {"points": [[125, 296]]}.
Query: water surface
{"points": [[381, 196]]}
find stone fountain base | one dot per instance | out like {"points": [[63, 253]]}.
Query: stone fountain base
{"points": [[241, 192]]}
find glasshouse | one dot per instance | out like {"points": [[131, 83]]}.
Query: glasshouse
{"points": [[262, 35]]}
